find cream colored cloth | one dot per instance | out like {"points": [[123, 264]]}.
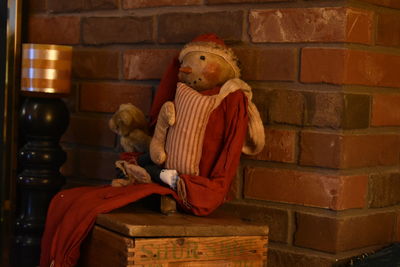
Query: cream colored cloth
{"points": [[185, 138], [255, 139]]}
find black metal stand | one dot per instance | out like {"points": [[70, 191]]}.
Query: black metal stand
{"points": [[43, 121]]}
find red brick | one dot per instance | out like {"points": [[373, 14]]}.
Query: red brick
{"points": [[101, 4], [342, 234], [36, 6], [95, 63], [183, 27], [286, 107], [370, 150], [261, 98], [321, 149], [324, 109], [54, 30], [128, 4], [72, 98], [306, 188], [359, 26], [314, 67], [348, 151], [280, 146], [93, 131], [106, 30], [276, 219], [385, 110], [347, 66], [388, 28], [90, 164], [337, 110], [384, 190], [79, 5], [332, 24], [268, 64], [357, 110], [142, 64], [65, 6], [387, 3], [106, 97]]}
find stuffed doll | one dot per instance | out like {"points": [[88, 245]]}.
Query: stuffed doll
{"points": [[203, 122]]}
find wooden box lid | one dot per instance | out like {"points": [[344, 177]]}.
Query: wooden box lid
{"points": [[134, 222]]}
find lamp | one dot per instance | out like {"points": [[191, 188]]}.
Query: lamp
{"points": [[44, 117]]}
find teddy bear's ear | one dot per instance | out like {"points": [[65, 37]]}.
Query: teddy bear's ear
{"points": [[126, 106]]}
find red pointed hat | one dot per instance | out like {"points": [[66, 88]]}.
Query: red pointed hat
{"points": [[211, 43]]}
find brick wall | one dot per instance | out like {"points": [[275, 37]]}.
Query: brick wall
{"points": [[326, 80]]}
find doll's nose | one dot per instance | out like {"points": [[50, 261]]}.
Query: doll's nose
{"points": [[186, 70]]}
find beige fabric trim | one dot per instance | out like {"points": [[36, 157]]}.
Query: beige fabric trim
{"points": [[181, 190]]}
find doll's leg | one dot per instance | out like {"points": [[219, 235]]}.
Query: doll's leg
{"points": [[151, 168], [167, 204]]}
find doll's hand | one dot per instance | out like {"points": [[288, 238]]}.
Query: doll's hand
{"points": [[168, 113], [170, 177], [158, 155]]}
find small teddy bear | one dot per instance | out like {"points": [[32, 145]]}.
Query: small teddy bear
{"points": [[130, 124]]}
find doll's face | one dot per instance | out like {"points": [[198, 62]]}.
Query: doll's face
{"points": [[203, 71]]}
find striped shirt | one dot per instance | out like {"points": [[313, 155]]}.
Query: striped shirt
{"points": [[185, 138]]}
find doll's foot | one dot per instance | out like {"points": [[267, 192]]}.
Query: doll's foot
{"points": [[119, 182], [137, 174], [170, 177]]}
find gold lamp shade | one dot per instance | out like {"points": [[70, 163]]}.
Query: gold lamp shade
{"points": [[46, 68]]}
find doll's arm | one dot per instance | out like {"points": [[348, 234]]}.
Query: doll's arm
{"points": [[166, 118], [201, 195]]}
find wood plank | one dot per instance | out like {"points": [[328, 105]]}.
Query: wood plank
{"points": [[103, 248], [143, 223], [166, 250], [219, 263]]}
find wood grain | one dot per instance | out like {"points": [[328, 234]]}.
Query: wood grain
{"points": [[143, 223], [168, 250], [103, 248], [133, 237]]}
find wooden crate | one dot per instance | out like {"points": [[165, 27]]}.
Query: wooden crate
{"points": [[143, 238]]}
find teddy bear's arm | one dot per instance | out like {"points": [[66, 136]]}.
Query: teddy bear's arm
{"points": [[166, 118]]}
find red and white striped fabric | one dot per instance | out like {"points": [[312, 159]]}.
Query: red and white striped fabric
{"points": [[185, 138]]}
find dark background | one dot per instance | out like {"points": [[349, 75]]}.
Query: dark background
{"points": [[3, 40]]}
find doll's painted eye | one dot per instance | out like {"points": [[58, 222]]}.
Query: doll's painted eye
{"points": [[202, 57]]}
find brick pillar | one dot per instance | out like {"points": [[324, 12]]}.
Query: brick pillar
{"points": [[344, 113], [325, 77]]}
